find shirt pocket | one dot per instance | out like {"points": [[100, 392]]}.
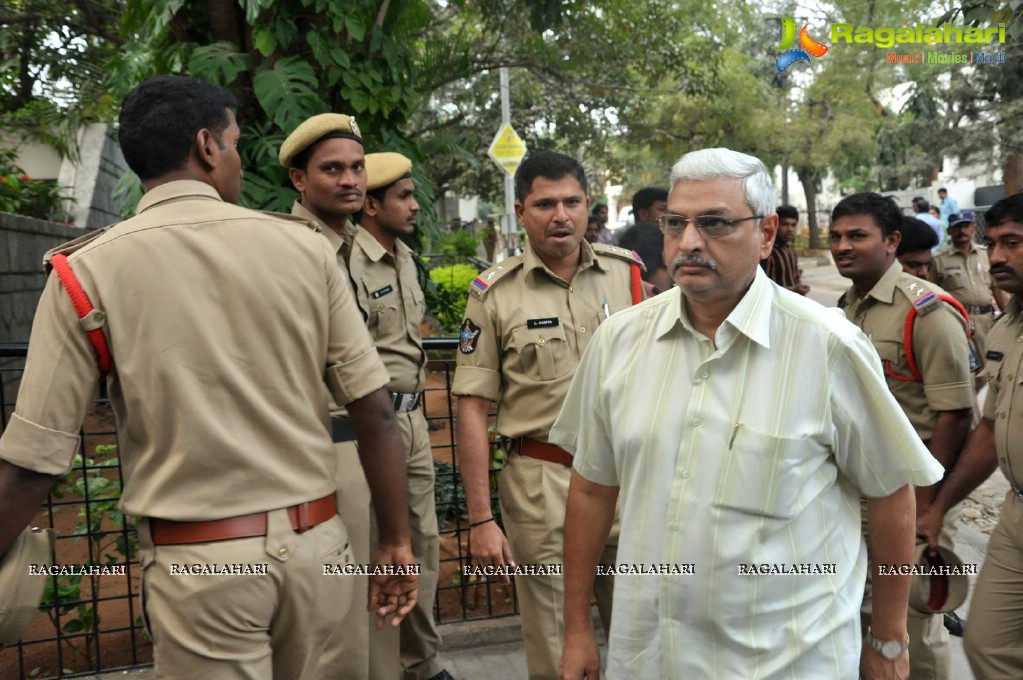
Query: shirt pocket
{"points": [[956, 280], [384, 317], [894, 361], [771, 476], [542, 352]]}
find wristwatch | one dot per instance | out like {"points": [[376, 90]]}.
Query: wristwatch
{"points": [[889, 649]]}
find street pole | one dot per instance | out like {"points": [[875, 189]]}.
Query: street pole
{"points": [[508, 221]]}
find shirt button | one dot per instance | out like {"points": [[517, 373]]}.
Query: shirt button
{"points": [[705, 375], [685, 473], [541, 341], [695, 422], [571, 289], [582, 329], [283, 553], [674, 526]]}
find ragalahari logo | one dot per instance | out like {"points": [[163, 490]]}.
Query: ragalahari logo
{"points": [[807, 45]]}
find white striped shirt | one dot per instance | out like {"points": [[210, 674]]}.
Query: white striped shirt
{"points": [[753, 452]]}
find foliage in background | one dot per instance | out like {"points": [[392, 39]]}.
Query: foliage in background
{"points": [[22, 195], [446, 299]]}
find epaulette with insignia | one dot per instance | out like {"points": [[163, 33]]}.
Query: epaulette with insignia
{"points": [[482, 283], [923, 297], [292, 218], [71, 246], [630, 256]]}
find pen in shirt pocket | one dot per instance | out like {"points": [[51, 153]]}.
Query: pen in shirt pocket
{"points": [[607, 310], [735, 431]]}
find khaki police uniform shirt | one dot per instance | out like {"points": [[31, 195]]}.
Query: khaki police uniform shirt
{"points": [[390, 298], [939, 345], [1004, 404], [224, 324], [966, 277], [525, 330]]}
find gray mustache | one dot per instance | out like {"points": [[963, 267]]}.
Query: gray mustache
{"points": [[683, 260]]}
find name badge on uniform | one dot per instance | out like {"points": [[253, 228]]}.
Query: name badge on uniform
{"points": [[993, 355], [543, 323], [382, 292]]}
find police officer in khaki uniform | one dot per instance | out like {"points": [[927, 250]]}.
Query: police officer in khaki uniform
{"points": [[527, 322], [224, 325], [383, 275], [864, 237], [962, 270], [994, 635], [326, 164]]}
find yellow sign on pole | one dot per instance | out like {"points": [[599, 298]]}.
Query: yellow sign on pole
{"points": [[507, 149]]}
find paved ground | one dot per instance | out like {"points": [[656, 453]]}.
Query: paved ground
{"points": [[493, 650]]}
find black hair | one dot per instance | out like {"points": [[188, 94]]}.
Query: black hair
{"points": [[884, 211], [916, 235], [647, 240], [920, 204], [549, 165], [787, 211], [942, 189], [161, 117], [646, 197], [1008, 209]]}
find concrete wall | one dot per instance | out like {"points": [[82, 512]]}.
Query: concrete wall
{"points": [[93, 176], [23, 240]]}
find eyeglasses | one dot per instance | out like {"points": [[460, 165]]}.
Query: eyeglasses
{"points": [[711, 226]]}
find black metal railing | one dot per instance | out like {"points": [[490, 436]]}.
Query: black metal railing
{"points": [[93, 622]]}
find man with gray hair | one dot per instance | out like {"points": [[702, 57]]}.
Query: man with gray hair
{"points": [[740, 520]]}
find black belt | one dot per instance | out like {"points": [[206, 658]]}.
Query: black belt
{"points": [[979, 309], [341, 429], [405, 402]]}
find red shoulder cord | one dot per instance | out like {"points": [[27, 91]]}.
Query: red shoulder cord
{"points": [[637, 284], [907, 339], [83, 306]]}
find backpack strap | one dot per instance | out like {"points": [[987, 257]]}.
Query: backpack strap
{"points": [[907, 339], [92, 319]]}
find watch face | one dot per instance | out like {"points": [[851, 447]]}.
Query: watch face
{"points": [[891, 649]]}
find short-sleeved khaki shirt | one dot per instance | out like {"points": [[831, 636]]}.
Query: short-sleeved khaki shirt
{"points": [[525, 330], [939, 345], [224, 325], [966, 277], [341, 243], [1004, 404], [388, 293]]}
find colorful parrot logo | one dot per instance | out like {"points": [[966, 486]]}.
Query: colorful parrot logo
{"points": [[807, 45]]}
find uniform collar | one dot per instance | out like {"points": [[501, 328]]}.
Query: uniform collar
{"points": [[172, 191], [751, 317], [884, 289], [336, 242], [370, 245], [953, 251], [587, 259]]}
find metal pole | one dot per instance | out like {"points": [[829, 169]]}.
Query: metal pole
{"points": [[508, 221]]}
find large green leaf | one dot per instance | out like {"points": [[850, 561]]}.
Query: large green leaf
{"points": [[287, 92], [220, 62]]}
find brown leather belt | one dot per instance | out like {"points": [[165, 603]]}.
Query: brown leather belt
{"points": [[303, 516], [532, 448]]}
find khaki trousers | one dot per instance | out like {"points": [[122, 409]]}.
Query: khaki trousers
{"points": [[349, 657], [420, 641], [533, 496], [413, 650], [930, 650], [994, 632], [246, 627]]}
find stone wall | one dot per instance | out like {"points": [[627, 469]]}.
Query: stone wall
{"points": [[23, 240]]}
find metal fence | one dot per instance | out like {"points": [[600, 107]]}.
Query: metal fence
{"points": [[93, 622]]}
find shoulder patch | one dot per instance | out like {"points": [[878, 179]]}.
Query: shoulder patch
{"points": [[482, 283], [630, 256], [468, 336], [71, 246], [922, 296], [292, 218]]}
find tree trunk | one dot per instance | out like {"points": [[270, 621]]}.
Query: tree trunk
{"points": [[1012, 172], [806, 178]]}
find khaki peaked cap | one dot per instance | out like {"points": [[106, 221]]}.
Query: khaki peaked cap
{"points": [[313, 129], [385, 168]]}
